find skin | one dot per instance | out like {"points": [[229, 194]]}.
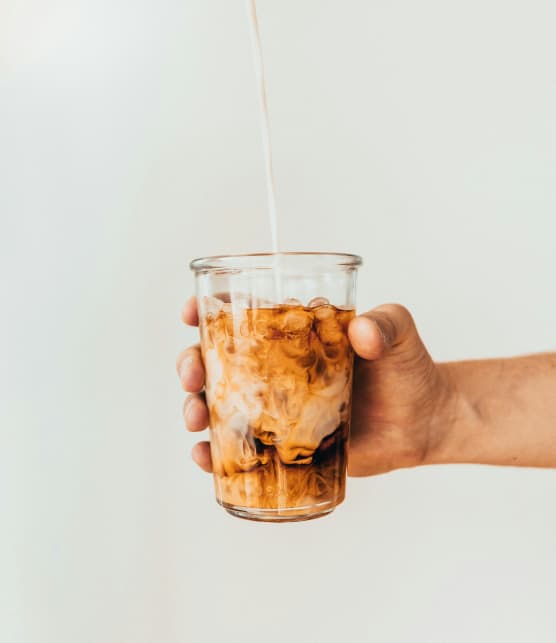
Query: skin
{"points": [[410, 411]]}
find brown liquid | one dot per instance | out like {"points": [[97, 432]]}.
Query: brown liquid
{"points": [[279, 397]]}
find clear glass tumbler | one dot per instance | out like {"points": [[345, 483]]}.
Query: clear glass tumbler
{"points": [[278, 379]]}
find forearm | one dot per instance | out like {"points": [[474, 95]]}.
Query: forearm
{"points": [[499, 411]]}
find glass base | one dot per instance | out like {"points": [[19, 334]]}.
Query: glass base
{"points": [[294, 514]]}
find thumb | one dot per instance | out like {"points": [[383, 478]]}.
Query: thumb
{"points": [[383, 330]]}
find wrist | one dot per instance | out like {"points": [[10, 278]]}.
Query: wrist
{"points": [[453, 421]]}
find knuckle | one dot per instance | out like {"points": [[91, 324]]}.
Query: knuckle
{"points": [[400, 320], [386, 324], [399, 311]]}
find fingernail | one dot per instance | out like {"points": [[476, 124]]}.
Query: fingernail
{"points": [[382, 333]]}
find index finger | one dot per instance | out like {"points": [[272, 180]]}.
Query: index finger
{"points": [[189, 313]]}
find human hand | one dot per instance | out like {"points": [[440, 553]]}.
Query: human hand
{"points": [[400, 395]]}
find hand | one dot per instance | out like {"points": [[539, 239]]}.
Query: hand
{"points": [[400, 395]]}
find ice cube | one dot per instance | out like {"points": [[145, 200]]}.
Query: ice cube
{"points": [[329, 331], [292, 301], [318, 301], [324, 312], [212, 306], [297, 321], [295, 348]]}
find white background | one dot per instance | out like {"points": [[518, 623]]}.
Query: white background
{"points": [[421, 135]]}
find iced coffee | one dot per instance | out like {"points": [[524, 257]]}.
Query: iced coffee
{"points": [[279, 395], [278, 379]]}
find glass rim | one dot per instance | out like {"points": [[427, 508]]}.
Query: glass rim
{"points": [[236, 261]]}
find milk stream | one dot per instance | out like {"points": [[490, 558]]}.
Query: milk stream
{"points": [[267, 145], [265, 123], [267, 150]]}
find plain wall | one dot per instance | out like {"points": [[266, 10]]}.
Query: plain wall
{"points": [[421, 135]]}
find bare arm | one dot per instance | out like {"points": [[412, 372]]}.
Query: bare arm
{"points": [[502, 411]]}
